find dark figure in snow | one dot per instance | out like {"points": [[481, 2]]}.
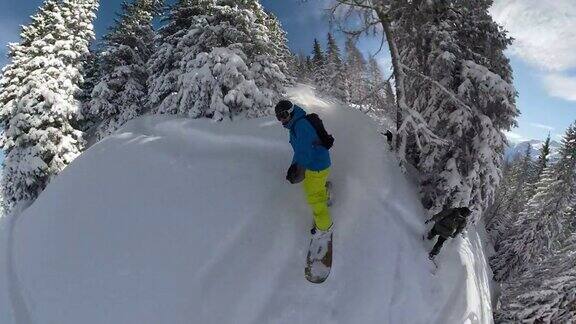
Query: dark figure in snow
{"points": [[311, 163], [389, 137], [449, 223]]}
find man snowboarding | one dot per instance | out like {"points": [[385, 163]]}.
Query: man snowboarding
{"points": [[311, 164], [449, 223]]}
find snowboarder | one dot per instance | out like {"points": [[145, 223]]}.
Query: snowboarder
{"points": [[449, 223], [311, 161], [311, 164], [389, 138]]}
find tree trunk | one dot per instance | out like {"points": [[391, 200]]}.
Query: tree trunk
{"points": [[397, 70]]}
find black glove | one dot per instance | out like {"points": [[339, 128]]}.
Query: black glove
{"points": [[295, 174], [290, 172]]}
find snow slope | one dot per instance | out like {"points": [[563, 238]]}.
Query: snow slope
{"points": [[174, 220]]}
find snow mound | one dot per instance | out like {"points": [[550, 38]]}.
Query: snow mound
{"points": [[173, 220]]}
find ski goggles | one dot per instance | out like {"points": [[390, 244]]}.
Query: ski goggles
{"points": [[284, 114]]}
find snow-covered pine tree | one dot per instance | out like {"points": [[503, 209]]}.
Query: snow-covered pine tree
{"points": [[19, 54], [495, 215], [279, 40], [510, 197], [334, 82], [540, 226], [165, 63], [91, 77], [276, 47], [519, 197], [309, 67], [356, 70], [545, 294], [543, 157], [537, 168], [376, 80], [505, 209], [216, 62], [390, 99], [13, 74], [120, 94], [302, 72], [459, 80], [379, 100], [268, 61], [39, 97], [319, 64]]}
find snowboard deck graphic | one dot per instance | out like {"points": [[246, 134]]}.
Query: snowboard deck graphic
{"points": [[319, 260]]}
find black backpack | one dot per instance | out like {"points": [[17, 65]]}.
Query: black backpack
{"points": [[326, 139]]}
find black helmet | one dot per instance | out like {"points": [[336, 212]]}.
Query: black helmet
{"points": [[283, 109]]}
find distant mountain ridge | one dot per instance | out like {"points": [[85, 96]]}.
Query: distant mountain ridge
{"points": [[518, 149]]}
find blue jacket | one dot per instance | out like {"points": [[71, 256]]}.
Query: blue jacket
{"points": [[308, 152]]}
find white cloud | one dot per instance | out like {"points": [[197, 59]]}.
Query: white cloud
{"points": [[514, 137], [561, 86], [542, 126], [544, 31], [545, 37]]}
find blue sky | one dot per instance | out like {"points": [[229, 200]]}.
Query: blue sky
{"points": [[543, 56]]}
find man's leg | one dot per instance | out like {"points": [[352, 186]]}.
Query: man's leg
{"points": [[431, 234], [437, 246], [317, 197]]}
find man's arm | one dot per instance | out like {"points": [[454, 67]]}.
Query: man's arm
{"points": [[439, 216], [460, 228]]}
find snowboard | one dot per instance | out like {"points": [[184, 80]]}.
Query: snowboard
{"points": [[319, 258]]}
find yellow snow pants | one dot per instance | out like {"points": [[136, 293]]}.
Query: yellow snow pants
{"points": [[317, 197]]}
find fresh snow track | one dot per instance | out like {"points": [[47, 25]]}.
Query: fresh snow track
{"points": [[173, 220]]}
